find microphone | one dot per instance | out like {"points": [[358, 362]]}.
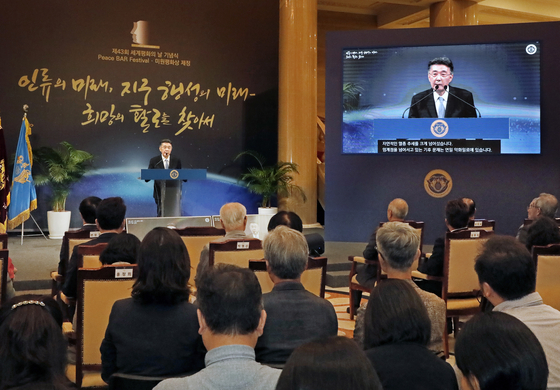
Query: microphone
{"points": [[433, 89], [457, 97]]}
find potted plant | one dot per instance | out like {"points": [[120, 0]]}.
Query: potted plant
{"points": [[271, 180], [59, 168]]}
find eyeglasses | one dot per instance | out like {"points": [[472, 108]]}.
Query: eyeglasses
{"points": [[436, 74], [532, 206]]}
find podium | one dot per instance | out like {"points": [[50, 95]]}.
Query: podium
{"points": [[169, 181]]}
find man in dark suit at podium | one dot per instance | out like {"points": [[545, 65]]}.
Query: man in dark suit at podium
{"points": [[442, 100], [164, 161]]}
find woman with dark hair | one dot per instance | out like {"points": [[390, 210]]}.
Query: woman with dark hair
{"points": [[121, 249], [331, 363], [397, 332], [155, 333], [32, 347], [541, 232], [497, 351]]}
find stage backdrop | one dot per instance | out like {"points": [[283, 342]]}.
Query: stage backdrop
{"points": [[115, 77], [360, 186]]}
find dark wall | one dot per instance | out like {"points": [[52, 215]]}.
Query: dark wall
{"points": [[359, 187]]}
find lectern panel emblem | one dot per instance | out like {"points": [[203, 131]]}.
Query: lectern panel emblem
{"points": [[439, 128], [174, 174]]}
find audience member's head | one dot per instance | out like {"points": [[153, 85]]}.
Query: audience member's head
{"points": [[472, 207], [88, 208], [122, 248], [395, 314], [397, 210], [233, 216], [456, 214], [398, 244], [230, 301], [331, 363], [110, 213], [32, 346], [543, 231], [497, 351], [505, 270], [286, 218], [545, 205], [285, 251], [164, 268]]}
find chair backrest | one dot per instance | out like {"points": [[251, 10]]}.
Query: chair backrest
{"points": [[88, 255], [482, 224], [313, 278], [4, 274], [195, 238], [70, 240], [547, 261], [237, 252], [98, 289], [461, 249], [3, 241]]}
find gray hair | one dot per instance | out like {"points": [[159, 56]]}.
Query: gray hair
{"points": [[547, 203], [286, 251], [398, 243], [233, 216], [399, 208]]}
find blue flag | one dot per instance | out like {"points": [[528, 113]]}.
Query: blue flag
{"points": [[23, 198]]}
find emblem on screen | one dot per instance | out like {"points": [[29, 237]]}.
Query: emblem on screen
{"points": [[438, 183], [174, 174], [439, 128]]}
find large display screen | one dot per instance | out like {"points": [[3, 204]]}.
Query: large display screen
{"points": [[493, 106]]}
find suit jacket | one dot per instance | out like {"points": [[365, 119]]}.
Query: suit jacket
{"points": [[294, 317], [157, 163], [455, 107], [367, 274]]}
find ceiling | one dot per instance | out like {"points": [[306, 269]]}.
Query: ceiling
{"points": [[416, 13]]}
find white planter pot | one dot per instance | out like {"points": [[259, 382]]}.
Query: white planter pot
{"points": [[268, 210], [59, 223]]}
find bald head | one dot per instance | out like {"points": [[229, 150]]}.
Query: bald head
{"points": [[397, 210], [472, 207], [233, 216]]}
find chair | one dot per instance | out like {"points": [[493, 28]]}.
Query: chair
{"points": [[460, 286], [98, 289], [88, 255], [353, 282], [69, 241], [547, 262], [484, 224], [313, 278], [237, 252], [195, 238], [4, 273]]}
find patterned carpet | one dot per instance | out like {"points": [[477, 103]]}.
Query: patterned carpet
{"points": [[340, 302]]}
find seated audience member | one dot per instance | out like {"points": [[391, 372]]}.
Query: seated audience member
{"points": [[231, 318], [472, 208], [497, 351], [397, 331], [315, 241], [398, 245], [88, 208], [367, 274], [294, 315], [122, 249], [331, 363], [233, 217], [155, 333], [508, 278], [545, 205], [542, 232], [456, 220], [110, 221], [32, 347]]}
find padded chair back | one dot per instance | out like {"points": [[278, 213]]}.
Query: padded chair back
{"points": [[547, 261], [88, 255], [98, 289], [236, 252], [313, 278], [4, 274], [73, 238], [461, 249], [3, 241], [482, 224], [195, 238]]}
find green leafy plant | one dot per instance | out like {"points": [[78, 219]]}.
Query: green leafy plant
{"points": [[271, 180], [60, 168]]}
